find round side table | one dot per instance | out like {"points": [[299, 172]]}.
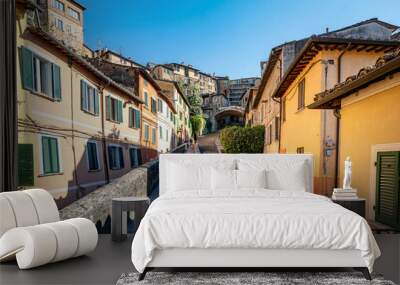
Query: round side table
{"points": [[119, 216]]}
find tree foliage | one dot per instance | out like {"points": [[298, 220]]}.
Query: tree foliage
{"points": [[198, 123], [243, 139]]}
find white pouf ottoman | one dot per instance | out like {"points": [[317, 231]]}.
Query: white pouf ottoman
{"points": [[31, 232]]}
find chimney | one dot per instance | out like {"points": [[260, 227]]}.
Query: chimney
{"points": [[326, 30]]}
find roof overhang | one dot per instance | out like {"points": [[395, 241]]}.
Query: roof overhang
{"points": [[316, 44], [331, 99], [79, 60], [273, 58]]}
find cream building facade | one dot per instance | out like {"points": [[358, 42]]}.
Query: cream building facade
{"points": [[74, 133]]}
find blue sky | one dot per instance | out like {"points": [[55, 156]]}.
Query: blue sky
{"points": [[228, 37]]}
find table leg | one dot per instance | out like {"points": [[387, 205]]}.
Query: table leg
{"points": [[116, 222]]}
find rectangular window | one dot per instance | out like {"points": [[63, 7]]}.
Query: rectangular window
{"points": [[92, 155], [40, 75], [134, 154], [277, 126], [283, 109], [89, 98], [146, 133], [145, 82], [153, 136], [114, 109], [59, 24], [180, 116], [50, 159], [116, 157], [153, 105], [74, 14], [160, 106], [270, 134], [301, 95], [300, 149], [161, 133], [166, 135], [146, 99], [134, 118], [58, 5]]}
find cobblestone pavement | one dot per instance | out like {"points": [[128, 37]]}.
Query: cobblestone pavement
{"points": [[207, 143]]}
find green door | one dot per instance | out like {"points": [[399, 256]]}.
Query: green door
{"points": [[387, 208], [25, 165]]}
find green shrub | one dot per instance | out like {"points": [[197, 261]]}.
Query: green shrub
{"points": [[242, 139]]}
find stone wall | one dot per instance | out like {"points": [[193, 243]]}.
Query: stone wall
{"points": [[96, 206]]}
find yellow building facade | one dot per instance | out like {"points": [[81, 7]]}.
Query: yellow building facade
{"points": [[148, 91], [321, 64], [369, 107], [265, 106]]}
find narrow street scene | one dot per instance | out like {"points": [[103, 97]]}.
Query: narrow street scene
{"points": [[208, 143], [199, 142]]}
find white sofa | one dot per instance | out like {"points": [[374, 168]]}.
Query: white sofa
{"points": [[31, 231]]}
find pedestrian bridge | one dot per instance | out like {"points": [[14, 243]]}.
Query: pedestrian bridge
{"points": [[232, 115]]}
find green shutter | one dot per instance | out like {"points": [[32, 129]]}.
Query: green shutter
{"points": [[108, 107], [84, 105], [92, 156], [137, 119], [27, 69], [96, 102], [121, 157], [146, 133], [56, 81], [153, 137], [50, 155], [146, 99], [25, 165], [387, 188], [119, 111], [111, 157], [130, 119]]}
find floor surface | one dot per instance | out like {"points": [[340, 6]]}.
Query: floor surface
{"points": [[103, 266], [110, 259]]}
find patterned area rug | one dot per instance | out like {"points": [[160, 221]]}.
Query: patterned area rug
{"points": [[243, 278]]}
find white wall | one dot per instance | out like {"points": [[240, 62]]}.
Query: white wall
{"points": [[164, 122]]}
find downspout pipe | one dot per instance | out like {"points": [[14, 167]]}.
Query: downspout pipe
{"points": [[279, 101], [75, 174], [104, 143], [337, 115]]}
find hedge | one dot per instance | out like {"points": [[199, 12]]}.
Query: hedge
{"points": [[242, 139]]}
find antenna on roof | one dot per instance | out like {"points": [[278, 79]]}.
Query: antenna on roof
{"points": [[99, 45]]}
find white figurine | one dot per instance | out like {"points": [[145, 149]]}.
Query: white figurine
{"points": [[347, 173]]}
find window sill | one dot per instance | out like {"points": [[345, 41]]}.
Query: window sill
{"points": [[89, 113], [50, 174], [44, 96], [115, 122], [115, 169], [94, 170]]}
